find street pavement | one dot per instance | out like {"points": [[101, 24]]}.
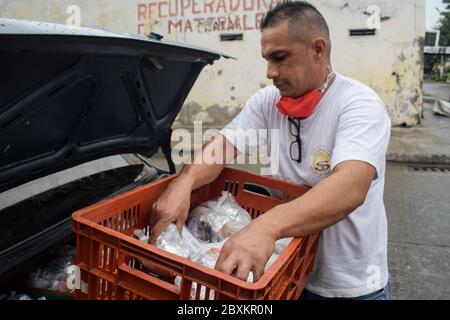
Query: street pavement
{"points": [[439, 90], [418, 212]]}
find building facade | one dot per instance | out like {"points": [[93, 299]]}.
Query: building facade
{"points": [[379, 42]]}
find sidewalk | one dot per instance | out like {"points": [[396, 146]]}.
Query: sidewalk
{"points": [[427, 143]]}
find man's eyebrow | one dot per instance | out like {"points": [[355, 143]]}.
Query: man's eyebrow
{"points": [[273, 53]]}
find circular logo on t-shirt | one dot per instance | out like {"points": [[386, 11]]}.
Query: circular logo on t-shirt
{"points": [[320, 161]]}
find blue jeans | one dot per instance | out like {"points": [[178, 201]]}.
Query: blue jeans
{"points": [[383, 294]]}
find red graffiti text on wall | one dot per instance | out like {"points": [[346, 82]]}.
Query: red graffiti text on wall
{"points": [[184, 16]]}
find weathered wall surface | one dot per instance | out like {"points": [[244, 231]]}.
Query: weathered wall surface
{"points": [[391, 61]]}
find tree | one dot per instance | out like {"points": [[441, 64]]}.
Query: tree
{"points": [[444, 26], [434, 64]]}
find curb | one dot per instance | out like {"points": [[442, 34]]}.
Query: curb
{"points": [[442, 159]]}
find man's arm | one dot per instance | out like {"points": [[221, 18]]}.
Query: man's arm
{"points": [[208, 163], [173, 204], [324, 205]]}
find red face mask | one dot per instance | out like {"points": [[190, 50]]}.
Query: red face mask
{"points": [[305, 105]]}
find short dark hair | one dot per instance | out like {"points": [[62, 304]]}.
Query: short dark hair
{"points": [[300, 14]]}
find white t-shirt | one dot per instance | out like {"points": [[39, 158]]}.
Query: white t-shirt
{"points": [[349, 123]]}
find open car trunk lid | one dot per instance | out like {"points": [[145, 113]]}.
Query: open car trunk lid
{"points": [[71, 95]]}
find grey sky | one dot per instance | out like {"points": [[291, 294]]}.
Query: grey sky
{"points": [[432, 16]]}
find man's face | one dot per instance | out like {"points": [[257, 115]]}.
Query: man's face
{"points": [[290, 62]]}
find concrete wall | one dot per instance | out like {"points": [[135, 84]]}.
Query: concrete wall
{"points": [[391, 61]]}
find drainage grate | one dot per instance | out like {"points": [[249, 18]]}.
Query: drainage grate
{"points": [[429, 168]]}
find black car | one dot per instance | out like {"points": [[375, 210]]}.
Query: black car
{"points": [[70, 96]]}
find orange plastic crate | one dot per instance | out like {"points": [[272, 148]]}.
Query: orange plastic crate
{"points": [[112, 262]]}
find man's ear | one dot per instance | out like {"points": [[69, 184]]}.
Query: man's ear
{"points": [[320, 48]]}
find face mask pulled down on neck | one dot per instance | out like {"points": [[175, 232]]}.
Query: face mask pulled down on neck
{"points": [[305, 105]]}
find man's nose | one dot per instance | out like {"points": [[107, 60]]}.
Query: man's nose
{"points": [[272, 71]]}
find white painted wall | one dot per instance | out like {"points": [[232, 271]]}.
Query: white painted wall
{"points": [[390, 62]]}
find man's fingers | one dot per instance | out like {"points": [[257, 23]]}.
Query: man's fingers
{"points": [[258, 272], [229, 265], [225, 263], [243, 269], [180, 225], [157, 229], [153, 215]]}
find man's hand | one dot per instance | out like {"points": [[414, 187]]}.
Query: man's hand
{"points": [[172, 205], [248, 250]]}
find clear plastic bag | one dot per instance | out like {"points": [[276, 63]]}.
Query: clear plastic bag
{"points": [[22, 296], [170, 240], [280, 245], [184, 246], [141, 235], [206, 222], [230, 228], [208, 254], [54, 275], [207, 229]]}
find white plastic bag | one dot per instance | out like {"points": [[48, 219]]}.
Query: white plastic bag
{"points": [[141, 235], [280, 245], [170, 240], [206, 222], [208, 254]]}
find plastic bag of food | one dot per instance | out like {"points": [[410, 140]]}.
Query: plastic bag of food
{"points": [[230, 228], [170, 240], [184, 246], [206, 222], [281, 244], [54, 275], [19, 296], [208, 254], [271, 261], [141, 235], [199, 223]]}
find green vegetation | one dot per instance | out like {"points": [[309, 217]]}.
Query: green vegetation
{"points": [[433, 62]]}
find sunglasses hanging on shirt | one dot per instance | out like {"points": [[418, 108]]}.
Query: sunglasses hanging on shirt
{"points": [[296, 146]]}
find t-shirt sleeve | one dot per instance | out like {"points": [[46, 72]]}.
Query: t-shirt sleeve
{"points": [[362, 133], [246, 132]]}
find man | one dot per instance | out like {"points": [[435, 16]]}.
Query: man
{"points": [[334, 133]]}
